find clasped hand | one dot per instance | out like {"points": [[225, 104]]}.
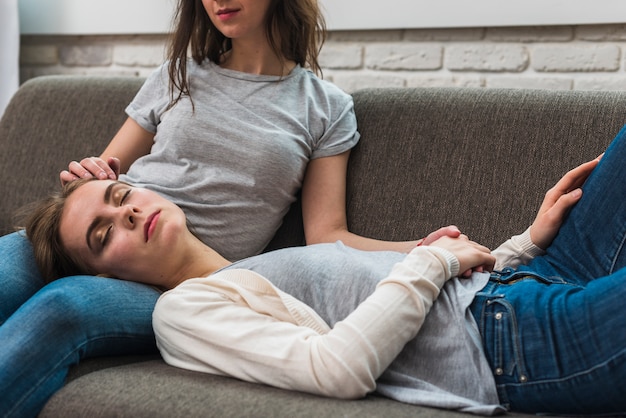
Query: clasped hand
{"points": [[471, 255]]}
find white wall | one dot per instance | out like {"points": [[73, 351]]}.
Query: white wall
{"points": [[9, 51], [74, 17]]}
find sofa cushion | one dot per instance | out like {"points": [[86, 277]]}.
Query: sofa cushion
{"points": [[153, 389]]}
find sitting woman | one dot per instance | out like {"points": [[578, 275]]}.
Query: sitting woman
{"points": [[541, 334]]}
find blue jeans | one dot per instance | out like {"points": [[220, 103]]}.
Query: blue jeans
{"points": [[553, 330], [46, 329]]}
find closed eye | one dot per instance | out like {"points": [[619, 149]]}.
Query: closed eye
{"points": [[105, 236], [124, 196]]}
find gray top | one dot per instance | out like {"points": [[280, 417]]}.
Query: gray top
{"points": [[236, 161], [444, 366]]}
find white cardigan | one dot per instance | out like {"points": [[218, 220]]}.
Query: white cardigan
{"points": [[236, 323]]}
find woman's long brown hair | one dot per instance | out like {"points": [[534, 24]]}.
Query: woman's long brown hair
{"points": [[296, 31]]}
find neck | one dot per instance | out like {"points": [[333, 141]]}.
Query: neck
{"points": [[255, 58], [199, 261]]}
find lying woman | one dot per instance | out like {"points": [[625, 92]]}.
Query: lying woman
{"points": [[541, 334]]}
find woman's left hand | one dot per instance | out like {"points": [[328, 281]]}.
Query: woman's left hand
{"points": [[557, 202]]}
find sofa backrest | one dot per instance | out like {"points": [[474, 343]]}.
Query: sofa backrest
{"points": [[49, 122], [480, 159]]}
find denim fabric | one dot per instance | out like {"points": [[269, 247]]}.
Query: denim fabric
{"points": [[553, 331], [49, 328], [19, 277]]}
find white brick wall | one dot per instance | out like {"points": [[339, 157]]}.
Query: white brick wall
{"points": [[552, 57]]}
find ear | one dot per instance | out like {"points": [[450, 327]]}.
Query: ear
{"points": [[106, 276]]}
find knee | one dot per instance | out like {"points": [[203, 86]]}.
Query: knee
{"points": [[60, 306], [98, 303]]}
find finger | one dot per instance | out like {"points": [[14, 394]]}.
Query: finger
{"points": [[66, 177], [576, 177], [78, 170], [564, 204], [107, 172], [97, 167], [114, 164], [447, 231], [452, 230]]}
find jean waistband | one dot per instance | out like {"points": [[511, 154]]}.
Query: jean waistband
{"points": [[508, 276]]}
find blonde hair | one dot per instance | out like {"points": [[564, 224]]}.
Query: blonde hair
{"points": [[42, 223]]}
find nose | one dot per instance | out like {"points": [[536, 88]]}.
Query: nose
{"points": [[128, 216]]}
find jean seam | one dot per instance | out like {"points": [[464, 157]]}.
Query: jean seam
{"points": [[503, 387], [514, 337], [620, 247]]}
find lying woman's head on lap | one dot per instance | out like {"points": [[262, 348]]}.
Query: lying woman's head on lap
{"points": [[111, 228]]}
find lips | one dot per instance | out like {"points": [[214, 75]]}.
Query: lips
{"points": [[224, 14], [150, 225]]}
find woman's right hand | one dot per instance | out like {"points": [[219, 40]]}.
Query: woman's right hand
{"points": [[471, 255], [557, 203], [91, 167]]}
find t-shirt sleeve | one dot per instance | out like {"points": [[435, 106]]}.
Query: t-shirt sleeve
{"points": [[151, 100], [341, 133]]}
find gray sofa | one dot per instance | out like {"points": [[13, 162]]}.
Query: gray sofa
{"points": [[480, 159]]}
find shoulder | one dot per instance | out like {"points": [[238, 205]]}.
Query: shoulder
{"points": [[322, 90]]}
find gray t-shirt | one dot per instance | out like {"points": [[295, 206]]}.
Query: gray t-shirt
{"points": [[444, 366], [237, 160]]}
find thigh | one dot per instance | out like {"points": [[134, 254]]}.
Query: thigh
{"points": [[556, 348], [590, 243], [19, 276], [66, 321]]}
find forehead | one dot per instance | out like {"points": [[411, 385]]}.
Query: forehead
{"points": [[91, 191], [80, 208]]}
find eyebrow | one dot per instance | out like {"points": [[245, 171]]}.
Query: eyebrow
{"points": [[96, 221]]}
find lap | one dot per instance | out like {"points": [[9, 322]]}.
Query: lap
{"points": [[591, 242], [19, 276], [557, 336]]}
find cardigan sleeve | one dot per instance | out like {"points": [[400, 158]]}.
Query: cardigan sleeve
{"points": [[516, 251], [248, 329]]}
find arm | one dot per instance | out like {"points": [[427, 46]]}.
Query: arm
{"points": [[254, 337], [130, 143], [324, 209]]}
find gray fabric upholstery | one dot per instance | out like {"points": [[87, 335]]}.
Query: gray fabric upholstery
{"points": [[49, 122], [481, 159], [164, 391]]}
